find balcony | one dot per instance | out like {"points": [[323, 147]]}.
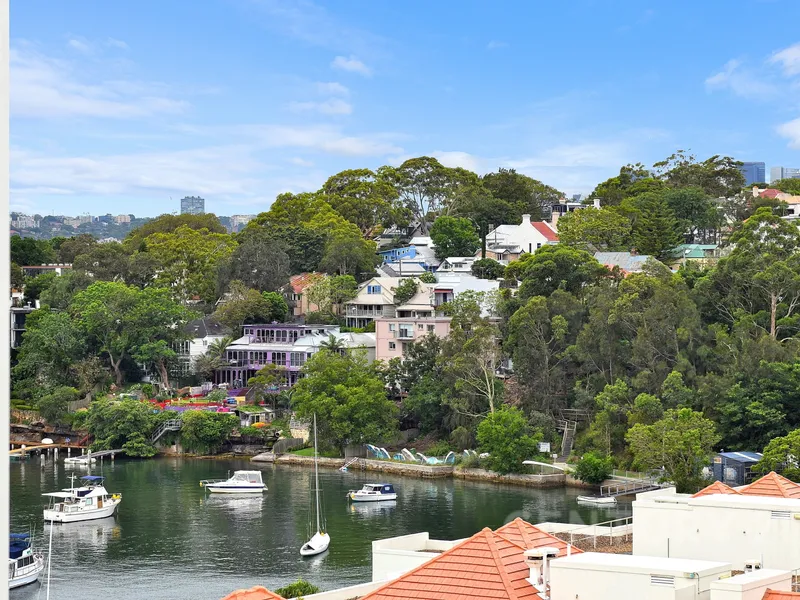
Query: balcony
{"points": [[403, 334], [357, 311]]}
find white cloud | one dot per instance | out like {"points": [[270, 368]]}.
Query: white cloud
{"points": [[789, 59], [80, 45], [740, 81], [301, 162], [791, 131], [458, 159], [331, 106], [114, 43], [351, 64], [332, 88], [494, 45], [50, 88]]}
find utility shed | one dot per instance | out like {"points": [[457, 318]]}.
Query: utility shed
{"points": [[599, 576], [734, 468]]}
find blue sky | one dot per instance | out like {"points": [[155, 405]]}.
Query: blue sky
{"points": [[119, 106]]}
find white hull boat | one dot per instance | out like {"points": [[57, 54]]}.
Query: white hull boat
{"points": [[242, 482], [597, 500], [373, 492], [80, 460], [316, 545], [24, 565], [320, 541], [86, 503]]}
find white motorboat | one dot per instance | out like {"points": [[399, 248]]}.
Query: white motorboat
{"points": [[80, 460], [24, 565], [320, 541], [85, 503], [242, 482], [373, 492], [597, 500]]}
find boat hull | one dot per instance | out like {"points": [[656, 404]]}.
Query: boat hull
{"points": [[235, 489], [316, 545], [56, 516], [28, 578], [356, 497], [79, 460], [599, 501]]}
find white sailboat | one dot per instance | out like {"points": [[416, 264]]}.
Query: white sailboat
{"points": [[320, 541]]}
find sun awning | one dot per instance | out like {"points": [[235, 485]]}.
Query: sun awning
{"points": [[60, 494]]}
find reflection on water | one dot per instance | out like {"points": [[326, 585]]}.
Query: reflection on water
{"points": [[171, 539]]}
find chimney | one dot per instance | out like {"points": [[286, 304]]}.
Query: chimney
{"points": [[596, 202], [755, 191], [526, 219], [538, 560], [554, 220]]}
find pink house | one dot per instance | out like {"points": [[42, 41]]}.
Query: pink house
{"points": [[413, 321]]}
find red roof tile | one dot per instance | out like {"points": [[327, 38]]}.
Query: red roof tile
{"points": [[769, 193], [776, 595], [487, 565], [300, 282], [715, 488], [772, 485], [545, 230], [528, 536], [254, 593]]}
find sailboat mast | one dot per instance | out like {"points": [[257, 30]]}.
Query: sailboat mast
{"points": [[316, 471]]}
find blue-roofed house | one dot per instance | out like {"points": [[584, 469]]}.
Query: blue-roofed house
{"points": [[626, 261], [735, 468]]}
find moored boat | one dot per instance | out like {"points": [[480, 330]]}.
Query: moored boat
{"points": [[373, 492], [597, 500], [89, 501], [24, 565], [242, 482], [320, 541]]}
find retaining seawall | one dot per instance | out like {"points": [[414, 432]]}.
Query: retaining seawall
{"points": [[529, 480]]}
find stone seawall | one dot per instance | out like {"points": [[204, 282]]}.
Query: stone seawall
{"points": [[529, 480], [428, 471]]}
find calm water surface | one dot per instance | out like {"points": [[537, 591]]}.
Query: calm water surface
{"points": [[171, 540]]}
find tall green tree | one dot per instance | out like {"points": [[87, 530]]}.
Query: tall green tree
{"points": [[555, 267], [656, 231], [244, 305], [682, 443], [259, 261], [75, 246], [348, 399], [364, 199], [454, 236], [718, 176], [31, 252], [523, 194], [601, 228], [782, 454], [509, 440]]}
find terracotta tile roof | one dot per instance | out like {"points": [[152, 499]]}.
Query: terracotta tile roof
{"points": [[769, 193], [773, 485], [716, 488], [254, 593], [528, 536], [545, 230], [776, 595], [300, 282], [487, 565]]}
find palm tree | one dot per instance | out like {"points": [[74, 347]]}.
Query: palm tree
{"points": [[216, 349], [333, 345], [213, 359]]}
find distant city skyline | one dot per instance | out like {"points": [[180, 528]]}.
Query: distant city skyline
{"points": [[113, 108]]}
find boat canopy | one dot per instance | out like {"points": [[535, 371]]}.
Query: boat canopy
{"points": [[60, 495], [92, 478], [385, 488], [19, 536]]}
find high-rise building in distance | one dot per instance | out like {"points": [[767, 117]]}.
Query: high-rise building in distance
{"points": [[776, 173], [754, 172], [193, 205]]}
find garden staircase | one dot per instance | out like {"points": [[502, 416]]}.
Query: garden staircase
{"points": [[569, 428], [166, 426]]}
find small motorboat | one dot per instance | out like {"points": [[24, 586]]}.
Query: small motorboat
{"points": [[373, 492], [597, 500], [24, 565], [242, 482], [86, 459], [89, 501]]}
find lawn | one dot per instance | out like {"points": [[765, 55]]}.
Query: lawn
{"points": [[310, 452]]}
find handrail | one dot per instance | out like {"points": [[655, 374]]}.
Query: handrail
{"points": [[622, 522]]}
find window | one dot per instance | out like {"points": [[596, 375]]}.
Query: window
{"points": [[420, 326], [373, 289], [431, 328], [391, 326], [392, 345]]}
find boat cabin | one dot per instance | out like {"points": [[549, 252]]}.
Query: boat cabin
{"points": [[378, 488], [247, 476]]}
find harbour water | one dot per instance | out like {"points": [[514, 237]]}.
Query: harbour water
{"points": [[172, 541]]}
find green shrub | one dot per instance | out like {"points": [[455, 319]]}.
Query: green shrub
{"points": [[217, 395], [594, 469], [507, 437], [462, 438], [440, 448], [297, 589], [473, 461], [427, 277]]}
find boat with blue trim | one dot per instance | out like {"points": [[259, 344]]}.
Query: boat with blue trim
{"points": [[242, 482], [89, 501], [373, 492], [24, 565]]}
